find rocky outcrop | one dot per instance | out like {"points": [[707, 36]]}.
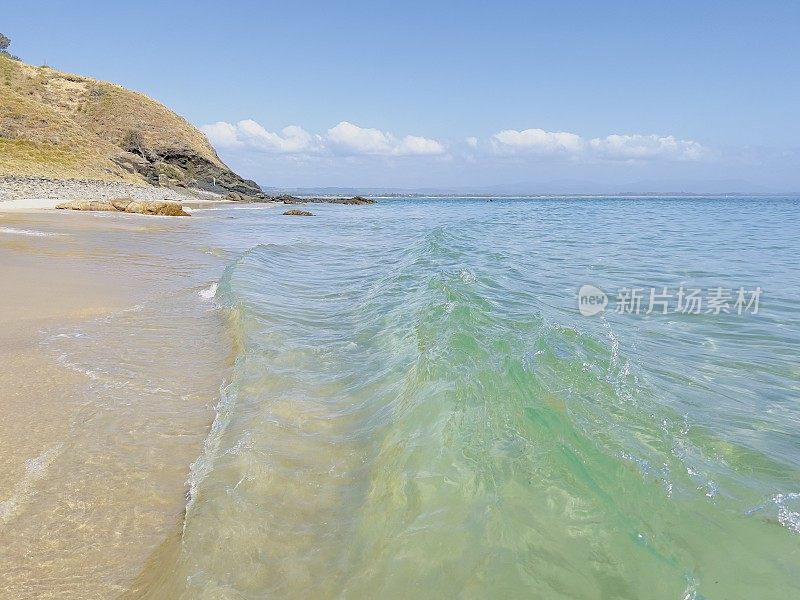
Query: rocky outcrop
{"points": [[185, 168], [286, 199], [353, 200], [126, 205], [323, 200], [246, 198], [298, 213]]}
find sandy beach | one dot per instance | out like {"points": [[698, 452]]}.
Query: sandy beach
{"points": [[111, 369]]}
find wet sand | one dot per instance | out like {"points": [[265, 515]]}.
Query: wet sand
{"points": [[111, 365]]}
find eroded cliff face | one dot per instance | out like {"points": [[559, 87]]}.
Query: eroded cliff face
{"points": [[59, 125], [182, 167]]}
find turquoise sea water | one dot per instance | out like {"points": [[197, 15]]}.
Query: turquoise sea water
{"points": [[418, 409]]}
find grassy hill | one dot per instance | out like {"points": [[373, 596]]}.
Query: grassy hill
{"points": [[58, 125]]}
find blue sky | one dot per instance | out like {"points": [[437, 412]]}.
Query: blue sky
{"points": [[455, 94]]}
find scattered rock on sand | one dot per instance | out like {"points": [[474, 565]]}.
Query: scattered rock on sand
{"points": [[298, 213], [142, 207], [22, 188]]}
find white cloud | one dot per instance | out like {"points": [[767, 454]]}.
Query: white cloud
{"points": [[250, 134], [344, 138], [644, 147], [291, 139], [417, 145], [612, 147], [352, 139], [359, 140], [538, 140], [221, 134], [348, 139]]}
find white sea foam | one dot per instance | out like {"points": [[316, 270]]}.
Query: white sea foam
{"points": [[467, 276], [201, 467], [209, 292], [35, 469], [64, 361], [16, 231], [785, 504]]}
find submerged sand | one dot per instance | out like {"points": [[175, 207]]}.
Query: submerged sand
{"points": [[111, 366]]}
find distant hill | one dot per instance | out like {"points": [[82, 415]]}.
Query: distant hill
{"points": [[58, 125]]}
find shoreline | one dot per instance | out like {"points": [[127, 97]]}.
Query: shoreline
{"points": [[26, 205], [92, 481]]}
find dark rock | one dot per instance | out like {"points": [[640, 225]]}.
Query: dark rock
{"points": [[298, 213], [209, 176], [237, 196], [185, 168], [295, 200], [359, 200]]}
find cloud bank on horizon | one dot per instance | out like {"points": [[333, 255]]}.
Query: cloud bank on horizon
{"points": [[348, 139], [612, 147], [344, 139]]}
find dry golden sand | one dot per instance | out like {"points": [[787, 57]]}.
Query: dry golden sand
{"points": [[93, 464]]}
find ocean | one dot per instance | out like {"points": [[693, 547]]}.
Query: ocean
{"points": [[420, 403]]}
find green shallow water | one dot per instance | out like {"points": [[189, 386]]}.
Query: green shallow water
{"points": [[417, 409]]}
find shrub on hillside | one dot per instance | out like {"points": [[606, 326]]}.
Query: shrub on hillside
{"points": [[5, 42], [133, 141]]}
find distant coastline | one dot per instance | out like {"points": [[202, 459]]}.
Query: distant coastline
{"points": [[378, 194]]}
